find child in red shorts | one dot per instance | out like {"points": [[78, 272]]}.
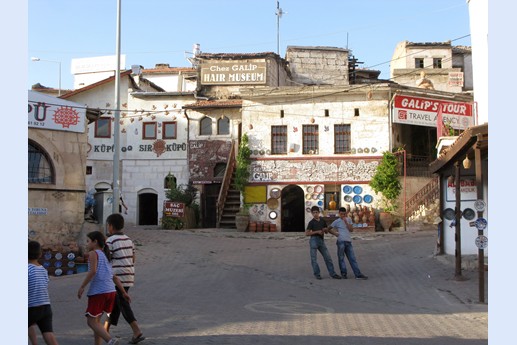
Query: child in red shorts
{"points": [[101, 293]]}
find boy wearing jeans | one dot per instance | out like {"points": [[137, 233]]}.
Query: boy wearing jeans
{"points": [[316, 230]]}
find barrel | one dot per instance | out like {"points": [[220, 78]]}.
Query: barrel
{"points": [[253, 226]]}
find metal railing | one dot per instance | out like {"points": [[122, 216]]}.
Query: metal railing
{"points": [[425, 196]]}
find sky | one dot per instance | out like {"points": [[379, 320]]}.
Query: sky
{"points": [[164, 31]]}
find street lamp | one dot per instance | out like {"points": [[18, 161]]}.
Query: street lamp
{"points": [[58, 62]]}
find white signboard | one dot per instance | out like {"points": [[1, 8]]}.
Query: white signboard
{"points": [[97, 64], [423, 111], [468, 189], [48, 112]]}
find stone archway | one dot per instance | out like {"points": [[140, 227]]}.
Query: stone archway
{"points": [[293, 209], [147, 207]]}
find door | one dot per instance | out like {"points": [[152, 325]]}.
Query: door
{"points": [[147, 209], [293, 209]]}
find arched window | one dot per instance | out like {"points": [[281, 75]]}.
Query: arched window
{"points": [[40, 166], [169, 181], [205, 126], [223, 125]]}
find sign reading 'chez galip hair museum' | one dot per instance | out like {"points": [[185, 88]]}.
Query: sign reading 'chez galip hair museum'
{"points": [[233, 72], [424, 111]]}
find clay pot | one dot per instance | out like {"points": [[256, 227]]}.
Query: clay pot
{"points": [[386, 219]]}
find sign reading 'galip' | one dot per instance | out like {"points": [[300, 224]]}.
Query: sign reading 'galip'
{"points": [[423, 111], [233, 72]]}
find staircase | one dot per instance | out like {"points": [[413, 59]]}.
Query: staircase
{"points": [[423, 207], [229, 200], [231, 206]]}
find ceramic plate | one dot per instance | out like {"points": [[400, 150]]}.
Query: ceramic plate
{"points": [[357, 199], [347, 189], [368, 198], [479, 205], [374, 150], [71, 264], [359, 150], [46, 264], [358, 189], [348, 198], [58, 264], [353, 151], [469, 214], [48, 256], [307, 196], [314, 196], [58, 272], [448, 214], [70, 272], [272, 203], [273, 215], [59, 256], [366, 150], [321, 196], [310, 189], [318, 189], [308, 210], [308, 203], [320, 203], [274, 193], [71, 256]]}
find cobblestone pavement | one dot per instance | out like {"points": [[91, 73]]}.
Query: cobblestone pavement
{"points": [[211, 286]]}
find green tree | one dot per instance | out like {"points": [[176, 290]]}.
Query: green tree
{"points": [[386, 181], [243, 161]]}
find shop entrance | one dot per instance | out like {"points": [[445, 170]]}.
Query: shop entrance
{"points": [[293, 209]]}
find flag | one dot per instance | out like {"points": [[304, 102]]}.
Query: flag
{"points": [[440, 126]]}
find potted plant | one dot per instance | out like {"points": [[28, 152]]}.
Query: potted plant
{"points": [[242, 174], [386, 181]]}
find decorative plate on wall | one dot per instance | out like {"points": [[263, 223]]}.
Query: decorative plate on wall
{"points": [[347, 189], [275, 193], [318, 189], [71, 256], [310, 189], [273, 215], [358, 189], [357, 199], [368, 198], [348, 198], [448, 214], [272, 203], [59, 256], [58, 272], [469, 214]]}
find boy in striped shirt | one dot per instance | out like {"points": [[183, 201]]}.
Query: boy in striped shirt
{"points": [[122, 260], [40, 312]]}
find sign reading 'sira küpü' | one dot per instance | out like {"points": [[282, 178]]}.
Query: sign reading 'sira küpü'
{"points": [[233, 72]]}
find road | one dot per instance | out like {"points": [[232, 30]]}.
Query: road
{"points": [[225, 287]]}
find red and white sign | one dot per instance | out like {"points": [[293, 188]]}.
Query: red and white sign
{"points": [[423, 112], [48, 112], [468, 189], [173, 209]]}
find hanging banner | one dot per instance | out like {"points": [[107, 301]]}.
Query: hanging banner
{"points": [[424, 111], [48, 112]]}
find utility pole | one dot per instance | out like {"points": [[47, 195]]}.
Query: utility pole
{"points": [[116, 135]]}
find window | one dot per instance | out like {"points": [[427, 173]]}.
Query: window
{"points": [[419, 63], [103, 127], [169, 130], [342, 139], [278, 140], [169, 181], [149, 130], [40, 168], [223, 126], [205, 126], [310, 139], [437, 63], [89, 170], [219, 169]]}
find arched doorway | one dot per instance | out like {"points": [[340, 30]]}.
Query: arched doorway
{"points": [[293, 209], [147, 207]]}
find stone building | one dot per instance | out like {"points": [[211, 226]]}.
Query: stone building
{"points": [[57, 145], [314, 136], [439, 64]]}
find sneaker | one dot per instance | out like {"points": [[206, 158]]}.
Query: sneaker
{"points": [[113, 341], [318, 277], [344, 276], [335, 276], [361, 277]]}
